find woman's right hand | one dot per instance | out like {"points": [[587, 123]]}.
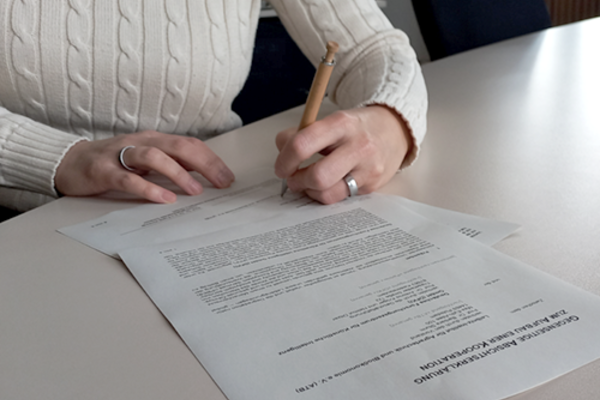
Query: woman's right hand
{"points": [[93, 167]]}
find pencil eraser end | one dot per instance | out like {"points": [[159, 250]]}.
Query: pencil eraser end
{"points": [[332, 46]]}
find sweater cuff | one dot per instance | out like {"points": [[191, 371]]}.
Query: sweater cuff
{"points": [[411, 110], [31, 155], [384, 70]]}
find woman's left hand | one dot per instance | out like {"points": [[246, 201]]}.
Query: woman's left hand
{"points": [[369, 143]]}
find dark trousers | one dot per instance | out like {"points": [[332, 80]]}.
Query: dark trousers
{"points": [[7, 213]]}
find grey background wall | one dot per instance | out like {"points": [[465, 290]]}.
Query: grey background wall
{"points": [[402, 16], [399, 12]]}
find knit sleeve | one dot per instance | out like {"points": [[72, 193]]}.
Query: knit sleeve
{"points": [[375, 63], [30, 153]]}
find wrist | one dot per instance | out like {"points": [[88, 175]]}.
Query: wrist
{"points": [[66, 163], [399, 124]]}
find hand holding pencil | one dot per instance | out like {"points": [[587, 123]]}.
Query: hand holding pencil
{"points": [[317, 92], [363, 147]]}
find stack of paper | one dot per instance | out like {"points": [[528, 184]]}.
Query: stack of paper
{"points": [[377, 297]]}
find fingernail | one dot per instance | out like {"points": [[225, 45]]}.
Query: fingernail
{"points": [[225, 177], [169, 197], [195, 187]]}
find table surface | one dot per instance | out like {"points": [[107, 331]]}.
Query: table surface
{"points": [[514, 134]]}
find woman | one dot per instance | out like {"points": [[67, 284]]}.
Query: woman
{"points": [[75, 75]]}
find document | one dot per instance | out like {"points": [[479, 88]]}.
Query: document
{"points": [[484, 230], [365, 299], [254, 197]]}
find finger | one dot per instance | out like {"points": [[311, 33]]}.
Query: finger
{"points": [[195, 155], [305, 143], [340, 190], [337, 192], [327, 171], [152, 159], [131, 183], [284, 136]]}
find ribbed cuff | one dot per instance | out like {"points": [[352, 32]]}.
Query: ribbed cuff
{"points": [[31, 154], [384, 70], [412, 109]]}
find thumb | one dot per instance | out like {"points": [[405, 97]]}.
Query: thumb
{"points": [[284, 136]]}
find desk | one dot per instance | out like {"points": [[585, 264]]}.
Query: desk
{"points": [[514, 134]]}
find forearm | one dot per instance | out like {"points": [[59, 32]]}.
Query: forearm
{"points": [[375, 64]]}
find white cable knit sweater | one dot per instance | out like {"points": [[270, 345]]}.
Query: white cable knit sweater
{"points": [[73, 69]]}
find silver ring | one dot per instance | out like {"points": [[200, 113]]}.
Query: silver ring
{"points": [[122, 161], [352, 186]]}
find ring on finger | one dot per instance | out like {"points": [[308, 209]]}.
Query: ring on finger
{"points": [[352, 186], [122, 160]]}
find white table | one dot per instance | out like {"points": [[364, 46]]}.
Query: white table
{"points": [[514, 134]]}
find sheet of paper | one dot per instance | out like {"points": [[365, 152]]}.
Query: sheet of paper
{"points": [[365, 300], [253, 197], [484, 230]]}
